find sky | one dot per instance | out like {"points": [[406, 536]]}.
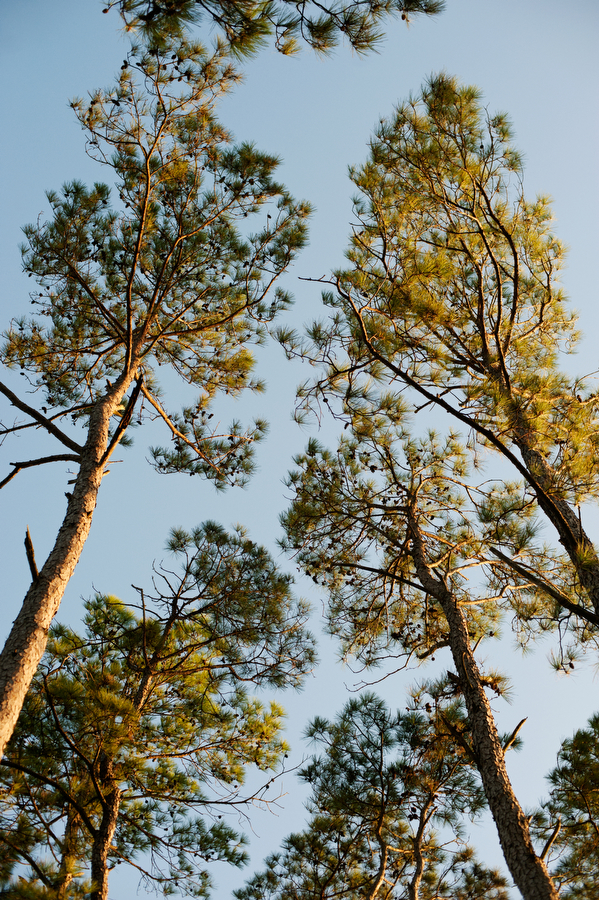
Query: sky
{"points": [[534, 59]]}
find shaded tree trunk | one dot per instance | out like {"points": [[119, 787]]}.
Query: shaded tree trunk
{"points": [[69, 855], [105, 833]]}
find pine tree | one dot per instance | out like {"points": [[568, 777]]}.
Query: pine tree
{"points": [[569, 822], [135, 737], [168, 274], [451, 304], [453, 293], [246, 25], [380, 793], [396, 533]]}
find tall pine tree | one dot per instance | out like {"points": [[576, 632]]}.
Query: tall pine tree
{"points": [[170, 268], [384, 796], [451, 304], [136, 736]]}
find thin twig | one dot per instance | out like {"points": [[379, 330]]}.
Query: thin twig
{"points": [[28, 463]]}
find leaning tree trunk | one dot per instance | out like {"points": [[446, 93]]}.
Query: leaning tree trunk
{"points": [[27, 640], [529, 873]]}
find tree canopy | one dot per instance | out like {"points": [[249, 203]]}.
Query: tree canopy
{"points": [[385, 795], [450, 303], [136, 736], [246, 25], [453, 293], [569, 822], [172, 275]]}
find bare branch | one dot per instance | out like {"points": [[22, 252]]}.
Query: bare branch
{"points": [[514, 735], [551, 839], [43, 421], [27, 464]]}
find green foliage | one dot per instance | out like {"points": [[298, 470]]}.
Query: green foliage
{"points": [[383, 786], [349, 527], [570, 821], [452, 301], [170, 276], [464, 271], [248, 24], [453, 281], [449, 303], [152, 704]]}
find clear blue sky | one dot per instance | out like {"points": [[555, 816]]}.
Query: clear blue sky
{"points": [[536, 59]]}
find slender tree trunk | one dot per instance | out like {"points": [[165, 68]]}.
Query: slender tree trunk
{"points": [[27, 640], [528, 871], [379, 878], [105, 833], [69, 855], [416, 880]]}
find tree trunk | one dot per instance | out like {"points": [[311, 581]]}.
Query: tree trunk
{"points": [[27, 640], [69, 858], [379, 878], [416, 880], [105, 833], [529, 873]]}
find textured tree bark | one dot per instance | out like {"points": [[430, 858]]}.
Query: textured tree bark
{"points": [[528, 871], [27, 640], [105, 833]]}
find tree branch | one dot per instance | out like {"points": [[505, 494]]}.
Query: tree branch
{"points": [[55, 784], [549, 589], [551, 839], [165, 416], [514, 735], [57, 457], [31, 556], [43, 421], [540, 493]]}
